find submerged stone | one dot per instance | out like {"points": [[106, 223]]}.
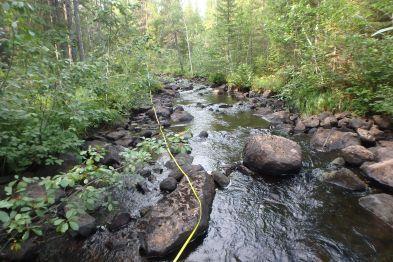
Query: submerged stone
{"points": [[381, 205]]}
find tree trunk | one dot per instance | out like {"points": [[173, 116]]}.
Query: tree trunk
{"points": [[179, 53], [188, 47], [70, 30], [78, 30]]}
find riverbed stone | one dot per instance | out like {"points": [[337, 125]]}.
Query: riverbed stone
{"points": [[383, 152], [181, 117], [329, 139], [311, 122], [273, 155], [357, 155], [87, 225], [168, 184], [343, 122], [165, 227], [125, 141], [381, 172], [182, 159], [381, 205], [300, 127], [376, 132], [278, 117], [116, 135], [329, 121], [220, 178], [119, 221], [383, 122], [365, 136], [345, 178], [356, 123], [203, 134], [162, 111]]}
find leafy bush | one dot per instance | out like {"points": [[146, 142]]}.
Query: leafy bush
{"points": [[271, 82], [242, 78], [24, 214], [217, 78]]}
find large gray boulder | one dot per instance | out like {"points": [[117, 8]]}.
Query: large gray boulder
{"points": [[381, 172], [273, 155], [181, 117], [329, 139], [381, 205], [166, 226]]}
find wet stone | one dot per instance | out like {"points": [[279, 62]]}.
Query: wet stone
{"points": [[119, 221], [220, 178], [329, 139], [273, 155], [381, 172], [381, 205], [345, 178], [168, 184], [357, 155], [203, 134]]}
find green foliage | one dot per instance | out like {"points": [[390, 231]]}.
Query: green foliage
{"points": [[217, 78], [241, 78], [271, 82], [32, 203], [46, 101]]}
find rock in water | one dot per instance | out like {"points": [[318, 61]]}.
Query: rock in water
{"points": [[181, 117], [380, 205], [220, 178], [273, 155], [345, 178], [357, 155], [381, 172], [329, 139], [167, 225], [119, 221], [203, 134]]}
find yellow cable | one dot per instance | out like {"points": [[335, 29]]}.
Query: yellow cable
{"points": [[188, 180]]}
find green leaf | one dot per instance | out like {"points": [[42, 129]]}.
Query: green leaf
{"points": [[4, 217], [64, 182], [37, 231], [5, 204], [70, 213], [64, 228], [58, 221], [26, 236], [74, 225]]}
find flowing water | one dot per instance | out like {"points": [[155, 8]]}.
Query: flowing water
{"points": [[296, 218]]}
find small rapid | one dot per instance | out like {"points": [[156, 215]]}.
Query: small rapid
{"points": [[298, 218]]}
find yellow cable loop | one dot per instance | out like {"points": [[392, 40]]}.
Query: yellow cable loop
{"points": [[188, 180]]}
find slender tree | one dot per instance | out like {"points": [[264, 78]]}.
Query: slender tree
{"points": [[71, 32], [78, 31]]}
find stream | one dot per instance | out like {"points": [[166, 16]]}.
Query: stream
{"points": [[297, 218], [256, 218]]}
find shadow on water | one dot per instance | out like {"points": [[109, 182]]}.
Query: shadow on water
{"points": [[298, 218]]}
